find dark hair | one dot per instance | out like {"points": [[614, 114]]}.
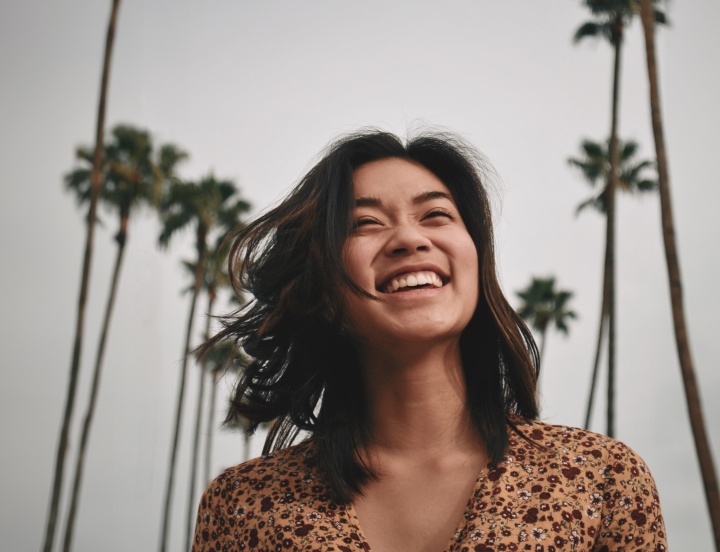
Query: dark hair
{"points": [[301, 368]]}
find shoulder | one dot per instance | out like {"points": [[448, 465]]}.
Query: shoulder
{"points": [[611, 486], [571, 443], [282, 472], [280, 462], [267, 500], [614, 478]]}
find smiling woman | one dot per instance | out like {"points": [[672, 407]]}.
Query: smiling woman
{"points": [[378, 327]]}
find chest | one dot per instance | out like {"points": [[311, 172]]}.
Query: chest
{"points": [[415, 510]]}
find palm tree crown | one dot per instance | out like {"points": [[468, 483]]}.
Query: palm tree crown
{"points": [[594, 165], [215, 274], [610, 18], [210, 203], [544, 306], [130, 174]]}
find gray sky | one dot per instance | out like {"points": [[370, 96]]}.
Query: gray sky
{"points": [[254, 90]]}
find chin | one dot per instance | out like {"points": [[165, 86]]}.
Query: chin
{"points": [[416, 334]]}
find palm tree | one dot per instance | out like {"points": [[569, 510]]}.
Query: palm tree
{"points": [[543, 307], [215, 277], [96, 178], [692, 394], [208, 203], [610, 17], [130, 178], [594, 164]]}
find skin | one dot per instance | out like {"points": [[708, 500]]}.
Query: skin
{"points": [[422, 441]]}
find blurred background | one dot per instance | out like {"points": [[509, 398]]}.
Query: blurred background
{"points": [[252, 91]]}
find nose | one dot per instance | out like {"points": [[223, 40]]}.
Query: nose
{"points": [[407, 239]]}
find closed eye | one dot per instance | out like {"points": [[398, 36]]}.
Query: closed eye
{"points": [[436, 213], [365, 222]]}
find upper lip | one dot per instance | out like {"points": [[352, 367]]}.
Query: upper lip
{"points": [[412, 268]]}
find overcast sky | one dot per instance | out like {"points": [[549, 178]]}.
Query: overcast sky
{"points": [[253, 91]]}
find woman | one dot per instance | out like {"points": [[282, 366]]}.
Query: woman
{"points": [[378, 327]]}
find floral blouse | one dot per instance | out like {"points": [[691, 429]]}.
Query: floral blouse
{"points": [[578, 491]]}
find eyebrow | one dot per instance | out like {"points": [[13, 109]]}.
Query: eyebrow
{"points": [[372, 201]]}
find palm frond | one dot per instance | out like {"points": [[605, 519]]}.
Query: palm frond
{"points": [[588, 29], [544, 305], [172, 224], [647, 186], [596, 202], [85, 153], [628, 150], [661, 17]]}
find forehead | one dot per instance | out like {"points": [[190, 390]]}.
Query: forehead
{"points": [[394, 178]]}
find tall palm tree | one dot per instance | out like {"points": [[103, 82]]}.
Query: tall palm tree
{"points": [[544, 307], [215, 277], [635, 178], [96, 178], [610, 17], [208, 204], [692, 393], [131, 177]]}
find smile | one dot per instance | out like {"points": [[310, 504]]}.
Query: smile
{"points": [[413, 280]]}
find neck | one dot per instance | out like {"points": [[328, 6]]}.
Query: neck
{"points": [[417, 400]]}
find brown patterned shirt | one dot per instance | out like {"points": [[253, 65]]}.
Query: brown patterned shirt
{"points": [[581, 492]]}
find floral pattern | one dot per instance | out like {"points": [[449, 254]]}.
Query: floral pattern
{"points": [[567, 489]]}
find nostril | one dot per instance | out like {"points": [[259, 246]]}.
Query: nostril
{"points": [[405, 250]]}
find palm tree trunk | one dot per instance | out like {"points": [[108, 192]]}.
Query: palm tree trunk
{"points": [[610, 233], [246, 449], [89, 413], [192, 507], [541, 353], [692, 394], [596, 364], [95, 182], [181, 391], [210, 425], [211, 415]]}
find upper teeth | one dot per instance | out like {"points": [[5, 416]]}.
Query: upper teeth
{"points": [[412, 279]]}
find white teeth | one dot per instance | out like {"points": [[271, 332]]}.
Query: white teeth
{"points": [[413, 280]]}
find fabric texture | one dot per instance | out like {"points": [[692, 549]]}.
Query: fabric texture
{"points": [[576, 491]]}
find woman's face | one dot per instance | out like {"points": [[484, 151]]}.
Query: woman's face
{"points": [[409, 248]]}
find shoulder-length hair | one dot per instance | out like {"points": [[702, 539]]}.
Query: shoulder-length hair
{"points": [[301, 368]]}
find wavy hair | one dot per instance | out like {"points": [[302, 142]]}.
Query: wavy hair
{"points": [[301, 370]]}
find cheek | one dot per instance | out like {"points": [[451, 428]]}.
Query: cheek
{"points": [[471, 267], [356, 259]]}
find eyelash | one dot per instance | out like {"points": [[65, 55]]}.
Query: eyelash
{"points": [[439, 212], [432, 214]]}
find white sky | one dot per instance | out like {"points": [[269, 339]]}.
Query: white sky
{"points": [[254, 90]]}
